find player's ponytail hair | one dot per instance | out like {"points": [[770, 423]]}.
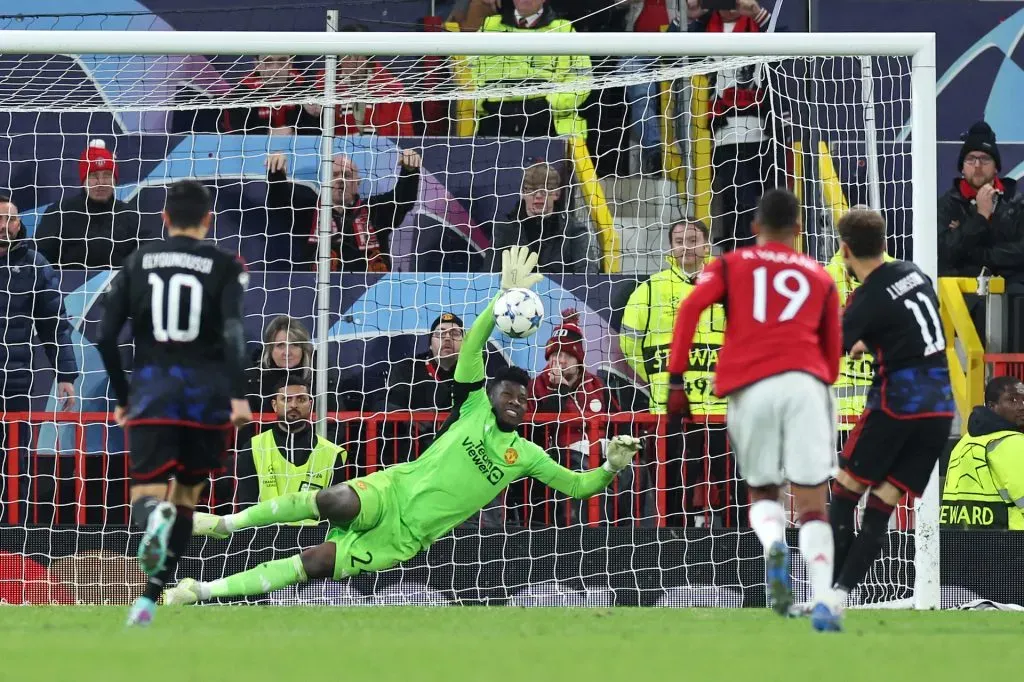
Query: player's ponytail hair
{"points": [[297, 334]]}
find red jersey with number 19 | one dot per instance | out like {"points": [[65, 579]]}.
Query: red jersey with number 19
{"points": [[782, 315]]}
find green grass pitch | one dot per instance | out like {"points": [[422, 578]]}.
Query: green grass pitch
{"points": [[285, 644]]}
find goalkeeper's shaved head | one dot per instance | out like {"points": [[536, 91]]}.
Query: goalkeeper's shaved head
{"points": [[507, 393]]}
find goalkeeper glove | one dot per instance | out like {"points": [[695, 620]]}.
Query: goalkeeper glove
{"points": [[517, 264], [619, 453], [678, 402]]}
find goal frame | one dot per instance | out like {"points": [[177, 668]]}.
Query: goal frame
{"points": [[919, 47]]}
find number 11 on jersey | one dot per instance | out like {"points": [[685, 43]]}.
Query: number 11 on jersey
{"points": [[934, 341]]}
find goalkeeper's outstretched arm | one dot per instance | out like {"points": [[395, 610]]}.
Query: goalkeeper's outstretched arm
{"points": [[470, 367], [517, 265], [619, 453]]}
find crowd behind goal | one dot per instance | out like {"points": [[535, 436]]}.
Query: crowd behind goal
{"points": [[603, 372]]}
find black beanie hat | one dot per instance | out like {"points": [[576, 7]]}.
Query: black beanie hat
{"points": [[446, 317], [979, 138]]}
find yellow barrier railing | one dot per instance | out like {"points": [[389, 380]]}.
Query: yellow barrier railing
{"points": [[700, 134], [672, 161], [465, 109], [593, 194], [967, 376], [831, 187]]}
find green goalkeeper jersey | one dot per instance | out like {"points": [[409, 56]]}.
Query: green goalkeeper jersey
{"points": [[473, 459]]}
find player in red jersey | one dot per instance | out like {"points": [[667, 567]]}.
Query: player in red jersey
{"points": [[780, 357]]}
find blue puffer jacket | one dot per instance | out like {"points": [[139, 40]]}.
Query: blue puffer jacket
{"points": [[29, 295]]}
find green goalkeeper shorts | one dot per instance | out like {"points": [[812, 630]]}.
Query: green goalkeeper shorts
{"points": [[376, 538]]}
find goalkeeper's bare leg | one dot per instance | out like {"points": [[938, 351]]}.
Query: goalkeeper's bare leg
{"points": [[338, 504]]}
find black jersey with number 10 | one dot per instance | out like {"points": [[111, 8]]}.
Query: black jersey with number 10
{"points": [[895, 312], [184, 298]]}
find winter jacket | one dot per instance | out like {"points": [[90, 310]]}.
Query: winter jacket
{"points": [[590, 398], [492, 70], [967, 242], [418, 383], [361, 234], [261, 120], [29, 296], [263, 381], [82, 233], [387, 119], [564, 245]]}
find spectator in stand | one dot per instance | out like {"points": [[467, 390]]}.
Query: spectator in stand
{"points": [[701, 480], [984, 486], [287, 456], [563, 244], [275, 77], [981, 217], [425, 381], [288, 351], [422, 382], [535, 116], [33, 315], [92, 229], [470, 14], [646, 16], [565, 387], [361, 227], [364, 75], [743, 156]]}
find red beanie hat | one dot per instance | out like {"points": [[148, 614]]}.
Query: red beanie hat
{"points": [[96, 157], [567, 337]]}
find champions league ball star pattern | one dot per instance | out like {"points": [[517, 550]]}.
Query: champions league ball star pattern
{"points": [[518, 313]]}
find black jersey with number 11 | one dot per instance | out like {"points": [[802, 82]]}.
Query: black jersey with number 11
{"points": [[184, 298], [895, 312]]}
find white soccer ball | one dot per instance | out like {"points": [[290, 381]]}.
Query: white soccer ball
{"points": [[518, 313]]}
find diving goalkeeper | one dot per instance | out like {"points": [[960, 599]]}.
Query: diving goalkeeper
{"points": [[391, 515]]}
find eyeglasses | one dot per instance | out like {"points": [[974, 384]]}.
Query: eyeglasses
{"points": [[978, 160], [453, 333]]}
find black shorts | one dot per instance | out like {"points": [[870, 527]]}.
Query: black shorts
{"points": [[900, 451], [159, 452]]}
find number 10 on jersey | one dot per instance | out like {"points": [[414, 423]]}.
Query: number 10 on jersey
{"points": [[167, 319]]}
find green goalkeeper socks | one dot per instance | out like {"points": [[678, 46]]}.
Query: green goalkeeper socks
{"points": [[284, 509], [273, 575]]}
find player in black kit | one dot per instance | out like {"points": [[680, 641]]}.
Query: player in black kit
{"points": [[894, 315], [184, 298]]}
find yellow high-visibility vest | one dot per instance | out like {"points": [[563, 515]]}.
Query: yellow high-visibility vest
{"points": [[977, 490], [565, 106], [648, 323], [277, 476]]}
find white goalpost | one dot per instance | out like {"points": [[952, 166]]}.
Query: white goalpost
{"points": [[833, 100]]}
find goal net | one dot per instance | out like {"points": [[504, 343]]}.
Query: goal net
{"points": [[368, 196]]}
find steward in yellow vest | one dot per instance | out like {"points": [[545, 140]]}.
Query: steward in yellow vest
{"points": [[520, 71], [984, 485], [288, 456], [650, 316], [855, 376]]}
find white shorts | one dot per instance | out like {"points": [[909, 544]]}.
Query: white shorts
{"points": [[783, 428]]}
